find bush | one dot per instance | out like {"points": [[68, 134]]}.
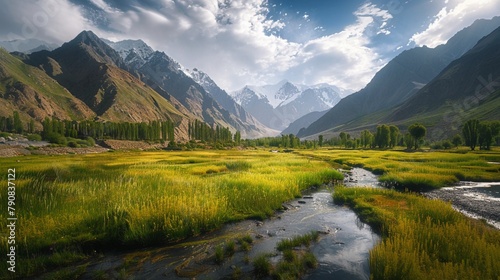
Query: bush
{"points": [[72, 144], [90, 141], [34, 137], [447, 144], [56, 138], [437, 146]]}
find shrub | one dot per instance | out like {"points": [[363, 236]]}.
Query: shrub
{"points": [[90, 141], [34, 137], [72, 144], [56, 138], [447, 144]]}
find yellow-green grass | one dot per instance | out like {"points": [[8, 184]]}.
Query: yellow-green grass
{"points": [[70, 206], [419, 170], [422, 238]]}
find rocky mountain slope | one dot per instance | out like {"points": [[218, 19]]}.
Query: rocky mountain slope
{"points": [[94, 73], [34, 94], [169, 78], [251, 127]]}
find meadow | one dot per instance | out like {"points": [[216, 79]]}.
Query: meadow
{"points": [[72, 207], [422, 238], [418, 171]]}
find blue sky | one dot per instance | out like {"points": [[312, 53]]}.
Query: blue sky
{"points": [[239, 42]]}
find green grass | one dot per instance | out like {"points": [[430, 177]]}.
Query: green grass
{"points": [[297, 241], [73, 205], [294, 262], [419, 170], [262, 266], [422, 238]]}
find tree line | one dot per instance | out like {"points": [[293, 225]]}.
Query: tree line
{"points": [[385, 136], [54, 130], [151, 131], [199, 130]]}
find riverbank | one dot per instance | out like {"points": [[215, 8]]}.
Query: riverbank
{"points": [[476, 200], [422, 238]]}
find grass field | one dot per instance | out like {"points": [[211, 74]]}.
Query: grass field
{"points": [[419, 170], [70, 207], [422, 238]]}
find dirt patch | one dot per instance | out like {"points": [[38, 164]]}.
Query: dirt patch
{"points": [[10, 151], [67, 150], [129, 145], [13, 151]]}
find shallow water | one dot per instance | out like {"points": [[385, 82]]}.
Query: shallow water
{"points": [[343, 248], [491, 191], [359, 177], [487, 191]]}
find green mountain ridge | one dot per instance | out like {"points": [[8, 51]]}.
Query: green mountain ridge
{"points": [[34, 94]]}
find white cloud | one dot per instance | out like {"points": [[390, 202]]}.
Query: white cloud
{"points": [[344, 58], [455, 16], [233, 41], [49, 20]]}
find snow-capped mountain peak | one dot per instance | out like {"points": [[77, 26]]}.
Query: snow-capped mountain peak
{"points": [[287, 91], [133, 52], [201, 78], [286, 100]]}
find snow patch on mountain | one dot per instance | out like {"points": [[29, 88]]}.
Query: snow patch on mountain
{"points": [[285, 92], [133, 52]]}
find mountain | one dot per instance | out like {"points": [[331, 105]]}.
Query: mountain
{"points": [[134, 53], [27, 45], [249, 126], [280, 104], [469, 87], [95, 73], [398, 81], [303, 122], [169, 78], [34, 94]]}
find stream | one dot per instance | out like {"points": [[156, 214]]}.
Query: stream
{"points": [[342, 250]]}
